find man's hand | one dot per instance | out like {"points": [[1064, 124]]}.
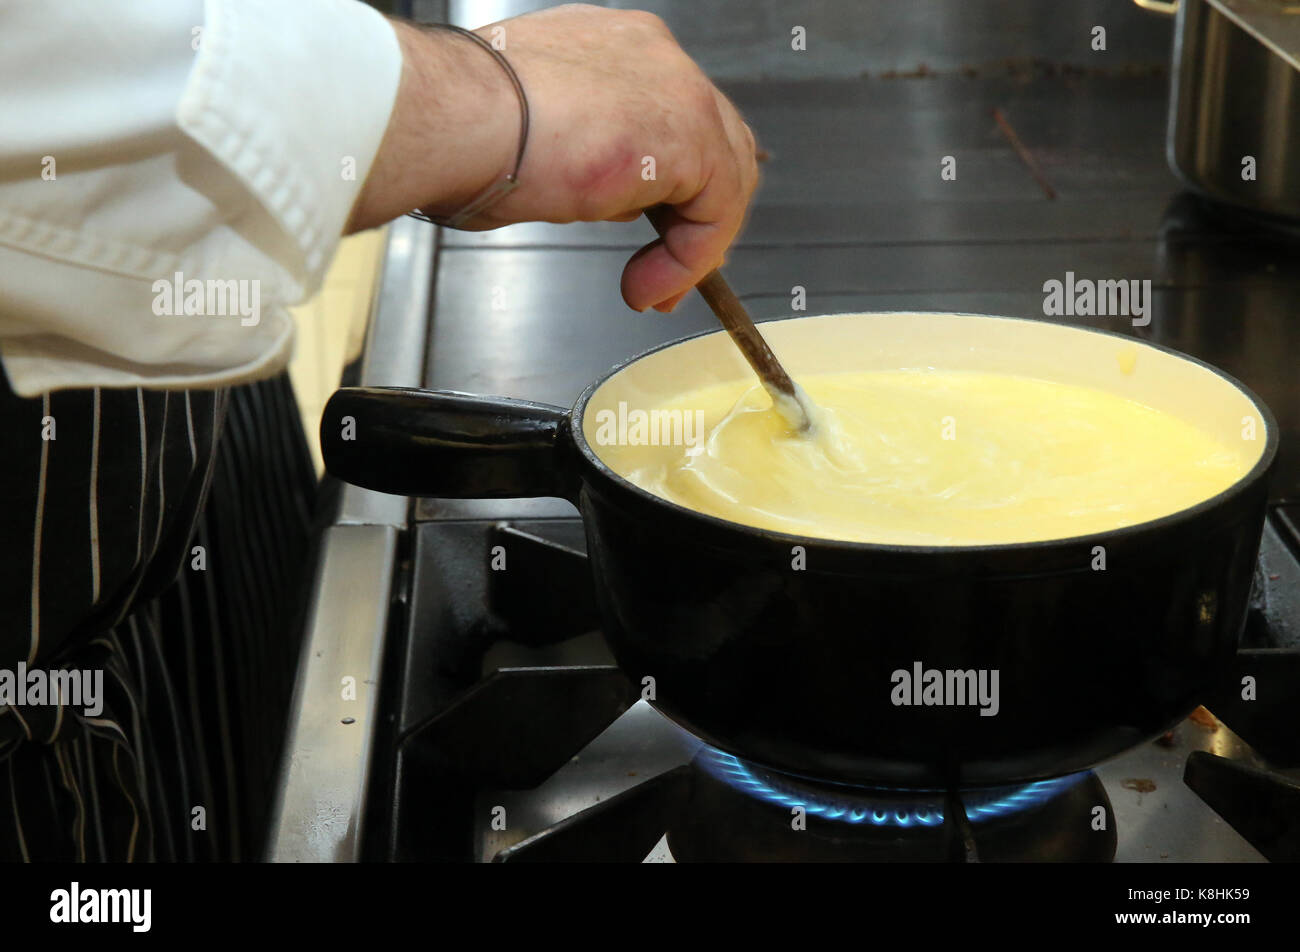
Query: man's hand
{"points": [[606, 89]]}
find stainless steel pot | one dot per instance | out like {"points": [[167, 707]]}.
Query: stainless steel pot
{"points": [[1235, 101]]}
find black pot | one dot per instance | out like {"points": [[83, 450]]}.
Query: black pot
{"points": [[783, 649]]}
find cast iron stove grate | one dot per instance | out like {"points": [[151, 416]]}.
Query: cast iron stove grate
{"points": [[511, 681]]}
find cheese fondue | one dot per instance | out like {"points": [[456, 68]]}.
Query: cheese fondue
{"points": [[932, 458]]}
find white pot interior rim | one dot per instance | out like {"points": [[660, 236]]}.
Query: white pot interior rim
{"points": [[889, 341]]}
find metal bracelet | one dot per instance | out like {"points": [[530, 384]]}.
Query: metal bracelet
{"points": [[504, 186]]}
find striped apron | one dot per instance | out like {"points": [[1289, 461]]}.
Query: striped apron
{"points": [[143, 553]]}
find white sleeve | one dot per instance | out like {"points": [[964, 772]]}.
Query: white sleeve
{"points": [[173, 174]]}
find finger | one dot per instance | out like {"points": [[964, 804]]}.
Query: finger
{"points": [[675, 263], [668, 305], [745, 144], [744, 148], [696, 236], [705, 225], [638, 285]]}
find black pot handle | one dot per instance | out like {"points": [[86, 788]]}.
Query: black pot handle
{"points": [[447, 444]]}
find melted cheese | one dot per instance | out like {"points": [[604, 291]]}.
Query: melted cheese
{"points": [[931, 458]]}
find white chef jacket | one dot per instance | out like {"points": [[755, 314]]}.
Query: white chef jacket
{"points": [[159, 157]]}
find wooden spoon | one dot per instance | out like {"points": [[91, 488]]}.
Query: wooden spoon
{"points": [[788, 397]]}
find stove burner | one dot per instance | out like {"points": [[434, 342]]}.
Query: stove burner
{"points": [[877, 807], [741, 812]]}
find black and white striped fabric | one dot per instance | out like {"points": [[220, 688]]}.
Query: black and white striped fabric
{"points": [[163, 539]]}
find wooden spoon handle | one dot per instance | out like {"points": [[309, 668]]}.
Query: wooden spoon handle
{"points": [[724, 303], [717, 293]]}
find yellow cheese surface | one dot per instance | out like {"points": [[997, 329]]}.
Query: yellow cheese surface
{"points": [[926, 458]]}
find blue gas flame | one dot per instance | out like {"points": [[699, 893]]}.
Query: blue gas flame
{"points": [[882, 808]]}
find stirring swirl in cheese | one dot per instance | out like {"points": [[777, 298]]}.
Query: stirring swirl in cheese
{"points": [[935, 458]]}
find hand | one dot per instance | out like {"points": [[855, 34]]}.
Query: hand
{"points": [[606, 89]]}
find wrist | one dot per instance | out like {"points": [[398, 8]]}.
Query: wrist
{"points": [[452, 133]]}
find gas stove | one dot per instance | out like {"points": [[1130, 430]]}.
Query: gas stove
{"points": [[491, 723], [513, 727]]}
